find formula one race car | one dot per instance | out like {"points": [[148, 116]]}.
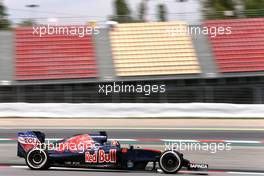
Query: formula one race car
{"points": [[95, 151]]}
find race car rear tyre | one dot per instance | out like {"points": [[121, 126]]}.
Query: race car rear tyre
{"points": [[170, 162], [37, 159]]}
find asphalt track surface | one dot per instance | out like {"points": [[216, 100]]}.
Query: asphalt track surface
{"points": [[155, 134], [241, 160]]}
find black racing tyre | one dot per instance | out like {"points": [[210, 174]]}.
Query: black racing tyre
{"points": [[170, 162], [37, 159]]}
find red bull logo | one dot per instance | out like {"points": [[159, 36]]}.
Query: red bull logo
{"points": [[101, 157]]}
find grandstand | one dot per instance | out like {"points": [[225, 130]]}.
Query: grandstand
{"points": [[55, 56], [241, 51], [194, 68], [146, 49]]}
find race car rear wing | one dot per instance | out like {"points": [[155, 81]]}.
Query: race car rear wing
{"points": [[28, 140], [31, 139]]}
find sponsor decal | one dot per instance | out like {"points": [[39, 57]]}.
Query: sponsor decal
{"points": [[101, 157], [74, 144], [198, 166], [28, 142]]}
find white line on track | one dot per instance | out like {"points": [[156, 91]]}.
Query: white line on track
{"points": [[142, 128], [183, 171], [6, 139], [71, 168], [246, 173], [18, 167], [246, 142], [162, 140]]}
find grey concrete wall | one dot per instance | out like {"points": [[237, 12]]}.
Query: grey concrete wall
{"points": [[204, 54], [104, 55], [6, 57]]}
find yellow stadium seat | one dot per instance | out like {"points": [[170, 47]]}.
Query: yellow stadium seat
{"points": [[141, 49]]}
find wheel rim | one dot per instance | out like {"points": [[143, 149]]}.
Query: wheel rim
{"points": [[36, 159], [170, 162]]}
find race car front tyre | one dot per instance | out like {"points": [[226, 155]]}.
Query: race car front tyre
{"points": [[37, 159], [170, 162]]}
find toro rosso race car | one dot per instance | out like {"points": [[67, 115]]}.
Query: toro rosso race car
{"points": [[95, 151]]}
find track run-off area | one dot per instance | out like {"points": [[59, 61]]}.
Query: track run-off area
{"points": [[244, 158]]}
